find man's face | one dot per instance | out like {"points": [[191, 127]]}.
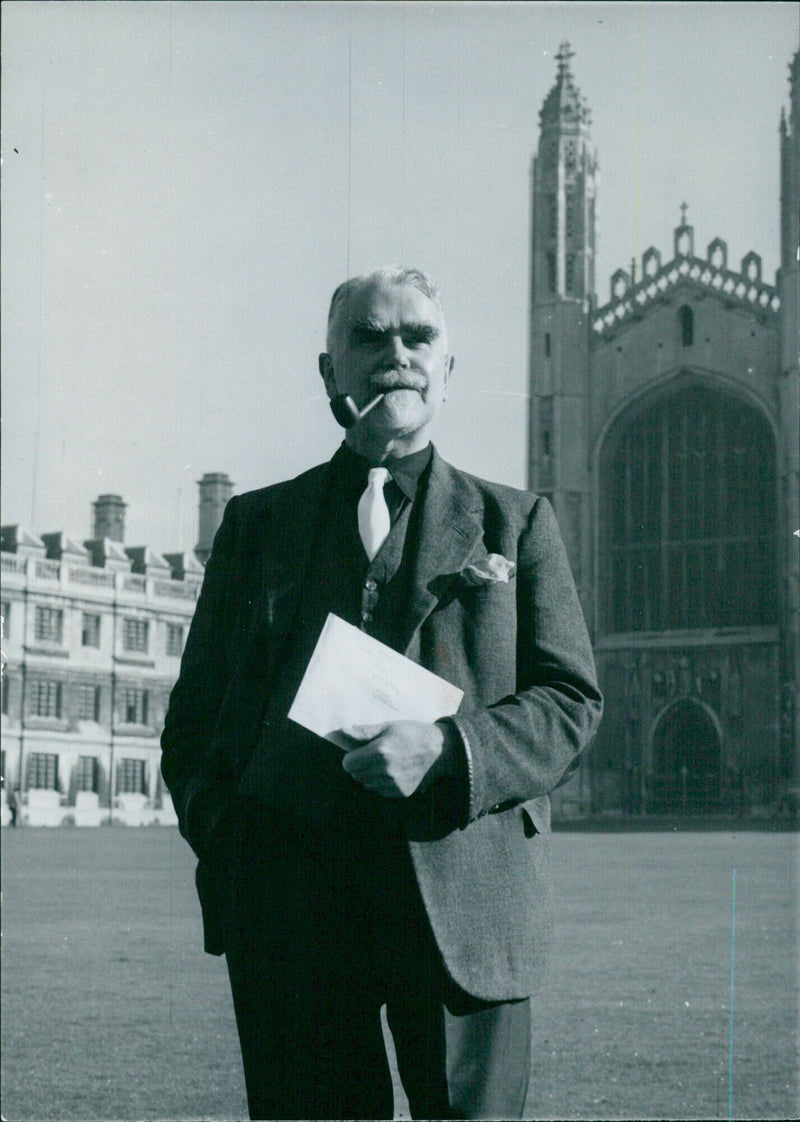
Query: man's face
{"points": [[392, 339]]}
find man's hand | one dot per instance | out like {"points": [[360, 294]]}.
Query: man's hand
{"points": [[395, 758]]}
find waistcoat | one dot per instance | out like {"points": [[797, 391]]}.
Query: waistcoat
{"points": [[290, 767]]}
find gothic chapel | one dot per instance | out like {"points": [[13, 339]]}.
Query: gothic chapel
{"points": [[663, 428]]}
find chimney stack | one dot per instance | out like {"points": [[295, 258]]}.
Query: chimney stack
{"points": [[215, 490], [109, 518]]}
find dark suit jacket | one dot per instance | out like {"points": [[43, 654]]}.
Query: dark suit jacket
{"points": [[520, 652]]}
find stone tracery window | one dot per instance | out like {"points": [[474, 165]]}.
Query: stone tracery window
{"points": [[689, 516]]}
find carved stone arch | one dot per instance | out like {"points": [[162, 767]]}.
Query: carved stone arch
{"points": [[709, 711], [717, 253], [684, 241], [751, 267], [665, 384], [620, 283], [651, 262], [685, 759]]}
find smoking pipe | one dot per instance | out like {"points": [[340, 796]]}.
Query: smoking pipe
{"points": [[347, 412]]}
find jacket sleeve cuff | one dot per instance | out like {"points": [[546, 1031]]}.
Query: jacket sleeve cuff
{"points": [[457, 766]]}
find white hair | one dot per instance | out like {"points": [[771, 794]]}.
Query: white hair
{"points": [[387, 274]]}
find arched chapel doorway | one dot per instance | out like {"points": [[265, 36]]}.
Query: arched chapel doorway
{"points": [[686, 761]]}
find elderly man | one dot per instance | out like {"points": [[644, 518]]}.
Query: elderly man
{"points": [[411, 871]]}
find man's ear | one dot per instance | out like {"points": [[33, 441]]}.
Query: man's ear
{"points": [[328, 377]]}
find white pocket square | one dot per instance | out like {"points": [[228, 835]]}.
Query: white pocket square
{"points": [[494, 568]]}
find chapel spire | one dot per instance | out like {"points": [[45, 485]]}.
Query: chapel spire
{"points": [[562, 292], [564, 189], [564, 102]]}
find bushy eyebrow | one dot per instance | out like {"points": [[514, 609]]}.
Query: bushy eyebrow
{"points": [[369, 326]]}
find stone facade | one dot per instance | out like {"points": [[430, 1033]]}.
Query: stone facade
{"points": [[93, 633], [663, 428]]}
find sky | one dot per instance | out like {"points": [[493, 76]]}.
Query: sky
{"points": [[184, 184]]}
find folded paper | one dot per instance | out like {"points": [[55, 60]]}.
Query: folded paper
{"points": [[353, 679]]}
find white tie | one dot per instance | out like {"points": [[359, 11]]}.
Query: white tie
{"points": [[374, 522]]}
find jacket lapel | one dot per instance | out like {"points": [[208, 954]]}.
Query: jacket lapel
{"points": [[451, 528]]}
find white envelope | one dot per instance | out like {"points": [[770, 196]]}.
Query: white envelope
{"points": [[352, 679]]}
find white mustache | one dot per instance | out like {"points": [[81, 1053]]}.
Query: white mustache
{"points": [[396, 379]]}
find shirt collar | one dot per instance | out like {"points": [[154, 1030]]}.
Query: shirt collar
{"points": [[405, 470]]}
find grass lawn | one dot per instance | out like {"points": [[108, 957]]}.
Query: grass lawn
{"points": [[111, 1010]]}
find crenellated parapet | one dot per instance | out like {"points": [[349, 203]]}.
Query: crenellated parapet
{"points": [[631, 297]]}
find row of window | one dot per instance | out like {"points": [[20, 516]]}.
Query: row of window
{"points": [[48, 627], [45, 698], [131, 775]]}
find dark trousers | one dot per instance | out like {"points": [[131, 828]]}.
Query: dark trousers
{"points": [[328, 926]]}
